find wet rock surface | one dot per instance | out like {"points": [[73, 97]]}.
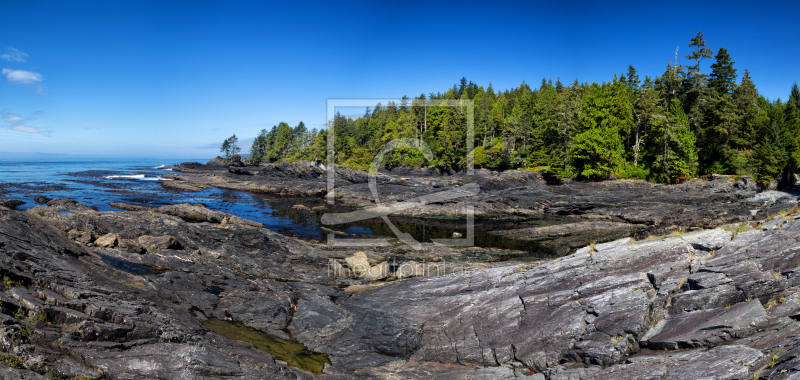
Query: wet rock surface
{"points": [[588, 211], [124, 295]]}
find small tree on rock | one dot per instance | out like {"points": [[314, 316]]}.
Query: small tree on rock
{"points": [[229, 147]]}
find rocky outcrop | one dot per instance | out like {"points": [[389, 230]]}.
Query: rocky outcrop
{"points": [[212, 162], [131, 293], [602, 305], [588, 211], [11, 203], [196, 213], [104, 319], [41, 199], [130, 207]]}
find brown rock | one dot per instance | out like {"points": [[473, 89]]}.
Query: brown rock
{"points": [[358, 263], [130, 245], [157, 243], [336, 269], [80, 236], [377, 272], [108, 240], [409, 269]]}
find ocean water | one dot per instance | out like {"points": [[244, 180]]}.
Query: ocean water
{"points": [[54, 170], [98, 182]]}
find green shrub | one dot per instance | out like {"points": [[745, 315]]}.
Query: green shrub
{"points": [[479, 156], [559, 173], [628, 171], [236, 158]]}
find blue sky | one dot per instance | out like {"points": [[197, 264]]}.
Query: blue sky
{"points": [[173, 79]]}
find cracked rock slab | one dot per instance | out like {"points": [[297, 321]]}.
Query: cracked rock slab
{"points": [[720, 363], [709, 327], [708, 240]]}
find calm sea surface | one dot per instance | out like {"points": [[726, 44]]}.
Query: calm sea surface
{"points": [[97, 182]]}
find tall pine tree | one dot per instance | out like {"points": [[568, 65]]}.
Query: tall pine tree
{"points": [[723, 75], [695, 82]]}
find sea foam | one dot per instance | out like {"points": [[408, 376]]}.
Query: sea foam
{"points": [[140, 177]]}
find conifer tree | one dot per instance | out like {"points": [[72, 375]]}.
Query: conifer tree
{"points": [[723, 76], [699, 53], [282, 139], [791, 133], [226, 149], [260, 147], [769, 155], [695, 83], [751, 115], [598, 151], [559, 85], [794, 96], [633, 78], [229, 147], [647, 113], [718, 150]]}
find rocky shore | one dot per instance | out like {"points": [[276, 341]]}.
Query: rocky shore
{"points": [[574, 214], [707, 286]]}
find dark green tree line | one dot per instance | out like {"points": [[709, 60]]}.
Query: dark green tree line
{"points": [[681, 124]]}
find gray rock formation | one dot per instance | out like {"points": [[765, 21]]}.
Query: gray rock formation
{"points": [[130, 295]]}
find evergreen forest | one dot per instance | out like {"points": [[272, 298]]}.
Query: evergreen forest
{"points": [[681, 124]]}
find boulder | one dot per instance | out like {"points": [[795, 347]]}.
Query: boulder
{"points": [[198, 213], [358, 263], [41, 199], [335, 269], [69, 204], [239, 169], [108, 240], [377, 272], [157, 243], [11, 203], [304, 170], [183, 186], [409, 269], [300, 208], [80, 236], [130, 245]]}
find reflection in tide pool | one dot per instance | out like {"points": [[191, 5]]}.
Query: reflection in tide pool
{"points": [[96, 183]]}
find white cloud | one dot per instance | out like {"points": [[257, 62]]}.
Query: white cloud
{"points": [[22, 76], [17, 123], [12, 118], [29, 129], [13, 55]]}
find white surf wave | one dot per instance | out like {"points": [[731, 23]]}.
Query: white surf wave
{"points": [[140, 177]]}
